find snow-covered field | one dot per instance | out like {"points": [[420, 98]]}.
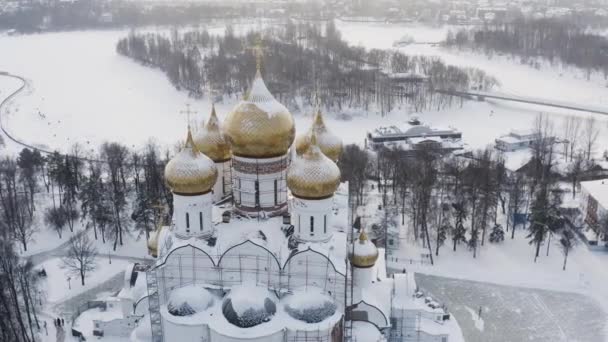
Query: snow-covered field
{"points": [[81, 90], [58, 288]]}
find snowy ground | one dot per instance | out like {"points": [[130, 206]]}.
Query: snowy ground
{"points": [[515, 313], [56, 285]]}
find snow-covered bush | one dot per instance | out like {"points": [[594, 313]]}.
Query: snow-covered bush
{"points": [[310, 306], [188, 300], [247, 306], [497, 234]]}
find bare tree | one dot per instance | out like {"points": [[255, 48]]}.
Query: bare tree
{"points": [[571, 135], [590, 134], [81, 256], [567, 243], [56, 218]]}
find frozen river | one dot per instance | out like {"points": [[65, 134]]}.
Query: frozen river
{"points": [[515, 313]]}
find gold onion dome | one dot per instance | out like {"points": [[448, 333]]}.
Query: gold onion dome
{"points": [[190, 172], [211, 141], [330, 144], [313, 175], [259, 126], [365, 252]]}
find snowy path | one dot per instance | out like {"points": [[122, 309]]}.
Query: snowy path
{"points": [[512, 313]]}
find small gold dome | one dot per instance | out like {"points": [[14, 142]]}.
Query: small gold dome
{"points": [[365, 252], [210, 140], [313, 175], [330, 144], [190, 172], [259, 126]]}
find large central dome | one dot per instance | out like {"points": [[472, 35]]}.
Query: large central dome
{"points": [[259, 126]]}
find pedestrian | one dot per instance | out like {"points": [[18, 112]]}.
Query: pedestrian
{"points": [[58, 322], [62, 322], [479, 314], [54, 322]]}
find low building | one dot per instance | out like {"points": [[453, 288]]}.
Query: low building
{"points": [[517, 140], [594, 208], [414, 137]]}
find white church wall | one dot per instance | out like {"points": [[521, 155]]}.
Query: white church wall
{"points": [[312, 219], [192, 215], [278, 336], [270, 175]]}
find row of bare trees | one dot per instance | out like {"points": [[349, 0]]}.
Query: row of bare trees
{"points": [[300, 57], [552, 39], [461, 198]]}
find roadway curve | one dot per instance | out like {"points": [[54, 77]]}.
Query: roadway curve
{"points": [[14, 139]]}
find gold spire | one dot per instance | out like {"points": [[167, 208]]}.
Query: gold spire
{"points": [[362, 236], [190, 142]]}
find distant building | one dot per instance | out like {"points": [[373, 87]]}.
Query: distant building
{"points": [[518, 140], [415, 136]]}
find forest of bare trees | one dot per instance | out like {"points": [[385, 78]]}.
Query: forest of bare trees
{"points": [[299, 58], [550, 39]]}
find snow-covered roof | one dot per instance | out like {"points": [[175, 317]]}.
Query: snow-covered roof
{"points": [[265, 233], [598, 189]]}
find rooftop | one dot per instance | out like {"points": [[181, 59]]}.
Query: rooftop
{"points": [[598, 189]]}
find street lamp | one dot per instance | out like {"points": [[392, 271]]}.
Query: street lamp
{"points": [[69, 284]]}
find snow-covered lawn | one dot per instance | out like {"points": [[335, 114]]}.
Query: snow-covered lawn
{"points": [[56, 287]]}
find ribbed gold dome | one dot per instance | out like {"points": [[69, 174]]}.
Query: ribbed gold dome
{"points": [[259, 126], [365, 252], [313, 175], [211, 140], [190, 172], [329, 144]]}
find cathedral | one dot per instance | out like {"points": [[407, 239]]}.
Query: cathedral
{"points": [[260, 247]]}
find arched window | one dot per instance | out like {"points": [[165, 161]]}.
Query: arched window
{"points": [[312, 225], [324, 224], [299, 224], [257, 193], [276, 192], [187, 222], [200, 219]]}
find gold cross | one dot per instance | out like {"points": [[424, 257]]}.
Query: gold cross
{"points": [[258, 50], [188, 112]]}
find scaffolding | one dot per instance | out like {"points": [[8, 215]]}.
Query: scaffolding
{"points": [[278, 187]]}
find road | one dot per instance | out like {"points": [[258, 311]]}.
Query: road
{"points": [[525, 99]]}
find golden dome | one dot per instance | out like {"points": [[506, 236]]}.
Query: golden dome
{"points": [[259, 126], [190, 172], [365, 252], [211, 141], [330, 144], [313, 175]]}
